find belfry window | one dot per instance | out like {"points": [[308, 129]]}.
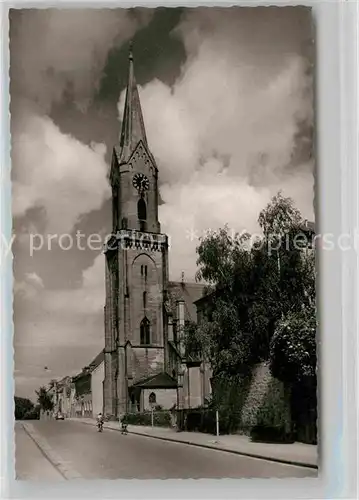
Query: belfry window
{"points": [[142, 213], [144, 300], [145, 332]]}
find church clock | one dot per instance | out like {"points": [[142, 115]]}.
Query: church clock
{"points": [[140, 182]]}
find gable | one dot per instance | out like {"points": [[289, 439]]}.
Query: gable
{"points": [[137, 159]]}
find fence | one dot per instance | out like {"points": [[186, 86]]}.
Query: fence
{"points": [[156, 418], [264, 428]]}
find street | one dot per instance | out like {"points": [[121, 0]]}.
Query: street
{"points": [[31, 465], [110, 455]]}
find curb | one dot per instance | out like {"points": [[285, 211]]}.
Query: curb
{"points": [[66, 471], [211, 447]]}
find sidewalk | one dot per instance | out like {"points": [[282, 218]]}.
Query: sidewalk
{"points": [[295, 454]]}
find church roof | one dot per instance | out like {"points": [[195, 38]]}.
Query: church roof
{"points": [[159, 381], [189, 293], [133, 127]]}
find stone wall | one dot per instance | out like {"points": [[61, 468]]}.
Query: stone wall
{"points": [[142, 362]]}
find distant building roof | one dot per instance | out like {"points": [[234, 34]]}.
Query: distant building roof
{"points": [[189, 293], [97, 361]]}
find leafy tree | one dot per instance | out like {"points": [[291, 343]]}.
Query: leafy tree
{"points": [[293, 347], [254, 284], [44, 400], [192, 342], [22, 406], [279, 217]]}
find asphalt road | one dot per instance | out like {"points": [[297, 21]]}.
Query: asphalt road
{"points": [[31, 464], [110, 455]]}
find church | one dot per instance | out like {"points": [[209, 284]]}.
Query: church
{"points": [[144, 313]]}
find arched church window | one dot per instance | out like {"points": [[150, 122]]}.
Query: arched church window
{"points": [[145, 271], [144, 300], [152, 398], [141, 209], [141, 270], [145, 332]]}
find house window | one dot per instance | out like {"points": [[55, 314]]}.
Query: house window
{"points": [[152, 398], [145, 332], [144, 300]]}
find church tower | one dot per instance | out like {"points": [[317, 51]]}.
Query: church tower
{"points": [[136, 266]]}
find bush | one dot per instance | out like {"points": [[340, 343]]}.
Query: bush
{"points": [[270, 434], [204, 420], [160, 418]]}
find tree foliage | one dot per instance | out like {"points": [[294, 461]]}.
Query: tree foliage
{"points": [[22, 407], [44, 399], [255, 284], [293, 347]]}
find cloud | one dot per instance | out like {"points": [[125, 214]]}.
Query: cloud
{"points": [[62, 329], [58, 51], [225, 136], [87, 300], [56, 172], [58, 56]]}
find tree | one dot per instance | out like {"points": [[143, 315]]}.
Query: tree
{"points": [[293, 347], [279, 217], [257, 283], [293, 360], [44, 400], [22, 406]]}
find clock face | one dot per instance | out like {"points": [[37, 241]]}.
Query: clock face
{"points": [[140, 182]]}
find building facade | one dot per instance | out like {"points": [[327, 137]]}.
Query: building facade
{"points": [[144, 313]]}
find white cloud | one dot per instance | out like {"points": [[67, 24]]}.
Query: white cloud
{"points": [[55, 50], [56, 172], [34, 279], [225, 135], [89, 300], [61, 329], [86, 301]]}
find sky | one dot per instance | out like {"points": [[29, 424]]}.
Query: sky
{"points": [[227, 101]]}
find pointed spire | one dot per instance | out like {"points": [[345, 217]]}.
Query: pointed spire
{"points": [[133, 128]]}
